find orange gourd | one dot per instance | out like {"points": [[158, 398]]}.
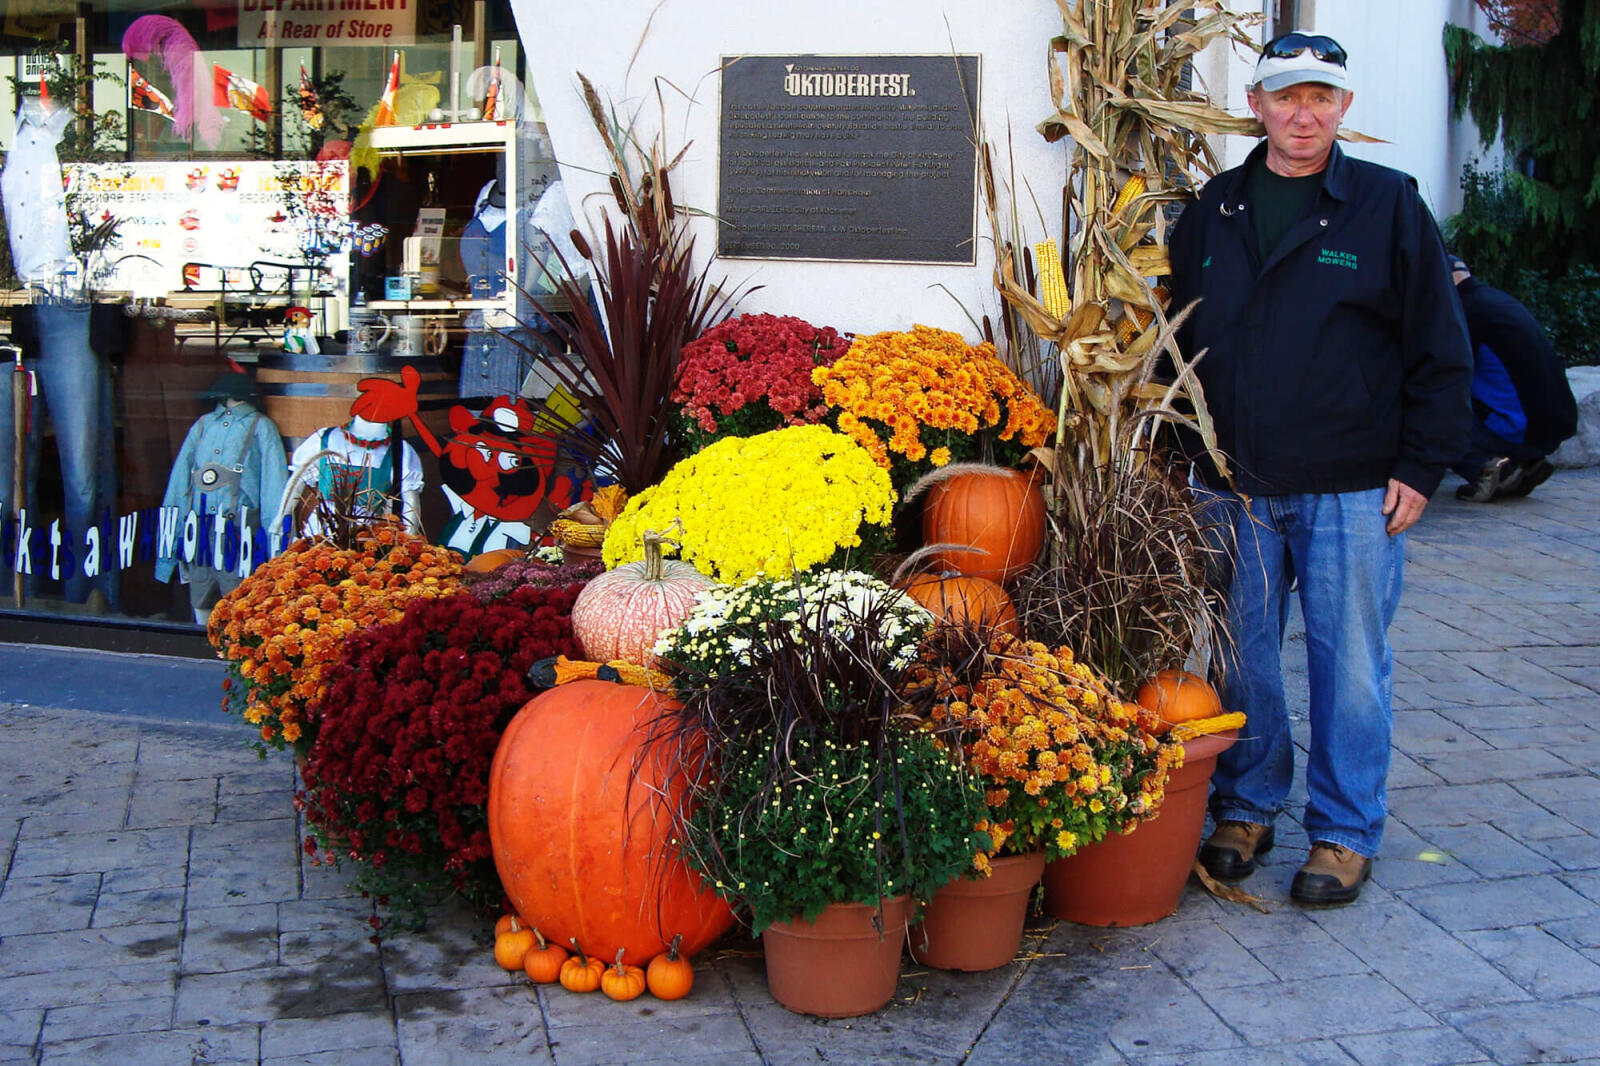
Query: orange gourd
{"points": [[512, 945], [1178, 696], [669, 975], [958, 599], [495, 559], [565, 794], [543, 961], [622, 982], [998, 512], [581, 973]]}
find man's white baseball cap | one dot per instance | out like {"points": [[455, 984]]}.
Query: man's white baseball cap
{"points": [[1300, 57]]}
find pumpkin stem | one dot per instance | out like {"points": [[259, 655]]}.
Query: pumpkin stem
{"points": [[652, 541], [538, 937], [672, 948], [619, 961], [583, 960], [516, 926]]}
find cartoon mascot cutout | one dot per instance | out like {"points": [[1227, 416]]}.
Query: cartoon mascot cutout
{"points": [[498, 466]]}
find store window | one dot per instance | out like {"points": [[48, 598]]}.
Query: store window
{"points": [[220, 219]]}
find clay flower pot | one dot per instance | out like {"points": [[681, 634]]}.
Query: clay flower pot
{"points": [[840, 965], [1137, 877], [977, 924]]}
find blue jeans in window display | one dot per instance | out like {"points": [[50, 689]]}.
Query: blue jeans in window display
{"points": [[74, 386], [495, 361], [1350, 572]]}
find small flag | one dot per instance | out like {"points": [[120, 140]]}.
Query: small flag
{"points": [[386, 114], [491, 99], [44, 92], [142, 96], [310, 106], [238, 92]]}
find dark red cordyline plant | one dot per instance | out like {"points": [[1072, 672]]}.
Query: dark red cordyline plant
{"points": [[398, 780]]}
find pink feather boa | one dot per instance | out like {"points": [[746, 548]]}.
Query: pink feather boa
{"points": [[194, 112]]}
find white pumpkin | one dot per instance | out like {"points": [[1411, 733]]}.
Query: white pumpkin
{"points": [[623, 612]]}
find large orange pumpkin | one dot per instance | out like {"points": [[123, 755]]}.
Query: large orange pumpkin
{"points": [[581, 854], [1178, 696], [999, 512], [957, 598]]}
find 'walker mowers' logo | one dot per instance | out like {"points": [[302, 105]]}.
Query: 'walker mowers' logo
{"points": [[843, 83]]}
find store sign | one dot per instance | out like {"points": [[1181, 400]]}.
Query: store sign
{"points": [[289, 23], [848, 157], [243, 220]]}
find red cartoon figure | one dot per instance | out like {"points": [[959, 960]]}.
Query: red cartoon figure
{"points": [[498, 466]]}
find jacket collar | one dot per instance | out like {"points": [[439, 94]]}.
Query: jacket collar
{"points": [[1335, 176]]}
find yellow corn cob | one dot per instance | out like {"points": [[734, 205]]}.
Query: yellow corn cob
{"points": [[1202, 726], [1126, 331], [1131, 189], [1052, 284], [578, 534]]}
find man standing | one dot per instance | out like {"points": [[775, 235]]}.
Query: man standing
{"points": [[1522, 406], [1336, 368]]}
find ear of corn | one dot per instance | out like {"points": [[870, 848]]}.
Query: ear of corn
{"points": [[1131, 189], [1052, 282]]}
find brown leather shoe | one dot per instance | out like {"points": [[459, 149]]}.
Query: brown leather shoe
{"points": [[1331, 877], [1230, 855]]}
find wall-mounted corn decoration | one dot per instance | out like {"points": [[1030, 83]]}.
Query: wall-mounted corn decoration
{"points": [[1131, 189]]}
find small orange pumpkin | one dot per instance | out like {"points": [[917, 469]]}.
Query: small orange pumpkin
{"points": [[998, 512], [669, 975], [958, 599], [503, 924], [495, 559], [1178, 696], [512, 945], [622, 982], [543, 961], [581, 973]]}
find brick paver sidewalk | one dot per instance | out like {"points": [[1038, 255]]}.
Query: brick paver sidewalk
{"points": [[156, 907]]}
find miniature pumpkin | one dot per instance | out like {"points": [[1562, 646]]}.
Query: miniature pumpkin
{"points": [[669, 975], [958, 598], [495, 559], [543, 961], [512, 945], [1178, 696], [622, 982], [503, 923], [998, 512], [565, 794], [581, 973], [623, 612]]}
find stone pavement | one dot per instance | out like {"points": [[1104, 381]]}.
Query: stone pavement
{"points": [[157, 909]]}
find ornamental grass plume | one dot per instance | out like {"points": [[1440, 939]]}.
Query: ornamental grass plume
{"points": [[1062, 760], [752, 374], [920, 399], [771, 504], [398, 781], [283, 627]]}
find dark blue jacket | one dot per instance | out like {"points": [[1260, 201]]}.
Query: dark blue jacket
{"points": [[1535, 404], [1343, 360]]}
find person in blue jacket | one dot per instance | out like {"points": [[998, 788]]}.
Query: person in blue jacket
{"points": [[1522, 406], [1334, 361]]}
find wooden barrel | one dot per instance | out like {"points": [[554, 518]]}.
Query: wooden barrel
{"points": [[304, 393]]}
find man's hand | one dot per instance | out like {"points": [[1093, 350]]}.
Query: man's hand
{"points": [[1403, 504]]}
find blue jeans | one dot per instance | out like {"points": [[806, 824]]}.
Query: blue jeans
{"points": [[1350, 572], [75, 392]]}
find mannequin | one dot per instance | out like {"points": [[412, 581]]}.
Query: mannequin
{"points": [[232, 459], [358, 459]]}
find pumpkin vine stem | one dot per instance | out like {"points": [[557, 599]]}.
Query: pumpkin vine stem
{"points": [[654, 564]]}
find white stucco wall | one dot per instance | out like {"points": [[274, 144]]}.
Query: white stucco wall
{"points": [[623, 46], [1397, 68]]}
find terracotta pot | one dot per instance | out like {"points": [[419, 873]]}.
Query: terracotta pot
{"points": [[838, 966], [977, 925], [1137, 877]]}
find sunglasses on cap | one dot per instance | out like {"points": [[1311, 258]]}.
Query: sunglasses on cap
{"points": [[1292, 44]]}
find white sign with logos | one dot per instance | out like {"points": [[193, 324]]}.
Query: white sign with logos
{"points": [[244, 221], [338, 22]]}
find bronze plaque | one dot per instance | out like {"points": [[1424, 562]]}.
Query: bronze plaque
{"points": [[848, 157]]}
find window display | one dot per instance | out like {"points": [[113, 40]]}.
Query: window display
{"points": [[219, 224]]}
